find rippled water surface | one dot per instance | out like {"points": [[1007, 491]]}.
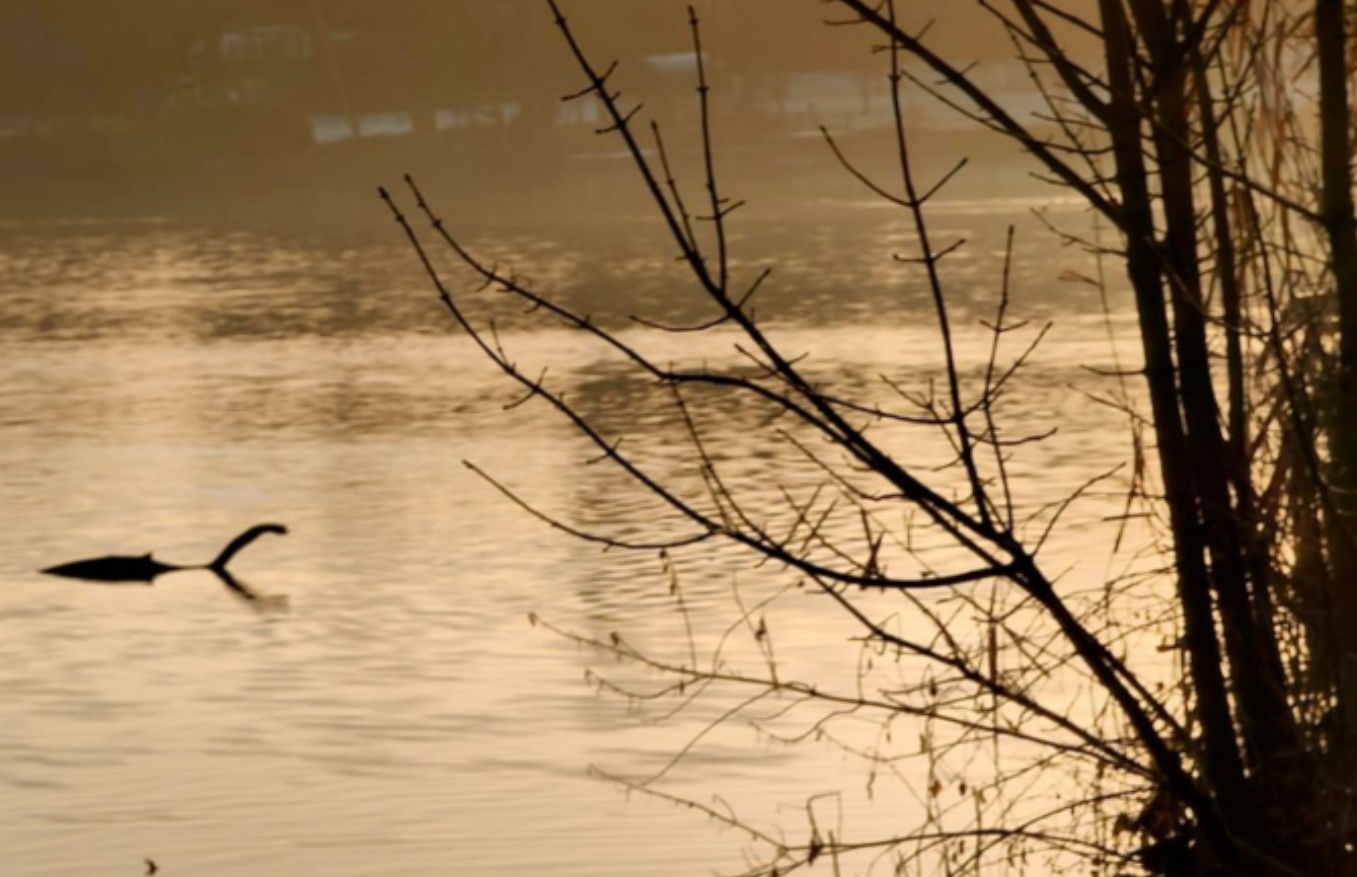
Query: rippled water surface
{"points": [[164, 385]]}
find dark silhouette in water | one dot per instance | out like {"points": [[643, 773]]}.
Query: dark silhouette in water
{"points": [[144, 568]]}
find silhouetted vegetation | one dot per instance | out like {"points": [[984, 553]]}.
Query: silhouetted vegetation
{"points": [[1214, 138]]}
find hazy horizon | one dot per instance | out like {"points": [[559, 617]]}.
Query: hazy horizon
{"points": [[173, 104]]}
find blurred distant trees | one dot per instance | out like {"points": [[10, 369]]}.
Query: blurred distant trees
{"points": [[70, 57]]}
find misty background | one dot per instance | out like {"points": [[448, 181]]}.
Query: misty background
{"points": [[174, 106]]}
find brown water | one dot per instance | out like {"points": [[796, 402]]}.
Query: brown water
{"points": [[163, 385]]}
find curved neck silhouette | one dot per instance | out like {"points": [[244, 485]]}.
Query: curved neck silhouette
{"points": [[144, 568], [236, 545]]}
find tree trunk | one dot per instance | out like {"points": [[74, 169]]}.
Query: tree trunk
{"points": [[1340, 224], [1221, 757]]}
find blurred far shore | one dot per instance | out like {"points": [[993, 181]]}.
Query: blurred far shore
{"points": [[182, 109]]}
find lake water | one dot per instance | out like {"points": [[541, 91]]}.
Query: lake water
{"points": [[164, 384]]}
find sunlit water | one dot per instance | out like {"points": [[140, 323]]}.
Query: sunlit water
{"points": [[163, 385]]}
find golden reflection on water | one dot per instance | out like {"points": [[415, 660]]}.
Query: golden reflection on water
{"points": [[165, 386]]}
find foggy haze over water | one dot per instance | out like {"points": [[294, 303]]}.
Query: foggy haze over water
{"points": [[305, 105], [207, 320]]}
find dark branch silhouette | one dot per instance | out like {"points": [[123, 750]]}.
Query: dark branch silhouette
{"points": [[1230, 200]]}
